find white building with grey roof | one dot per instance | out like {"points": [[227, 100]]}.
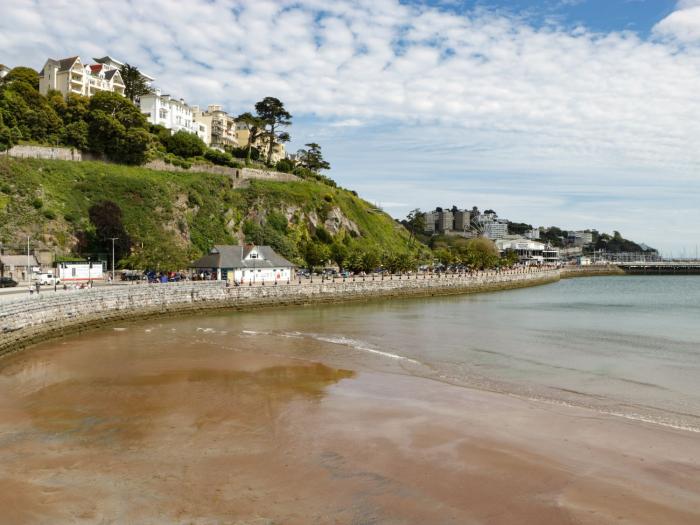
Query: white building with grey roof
{"points": [[245, 265]]}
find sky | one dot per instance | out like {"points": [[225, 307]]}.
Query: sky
{"points": [[575, 113]]}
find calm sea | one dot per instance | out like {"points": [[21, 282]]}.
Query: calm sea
{"points": [[622, 345]]}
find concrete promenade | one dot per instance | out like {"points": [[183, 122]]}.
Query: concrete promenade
{"points": [[28, 320]]}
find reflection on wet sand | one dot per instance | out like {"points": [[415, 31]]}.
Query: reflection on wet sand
{"points": [[164, 427]]}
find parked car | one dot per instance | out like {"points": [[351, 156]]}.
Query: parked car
{"points": [[47, 279], [6, 282]]}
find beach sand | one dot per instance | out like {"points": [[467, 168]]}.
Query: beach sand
{"points": [[263, 439]]}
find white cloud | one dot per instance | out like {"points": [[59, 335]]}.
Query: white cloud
{"points": [[683, 24], [458, 94]]}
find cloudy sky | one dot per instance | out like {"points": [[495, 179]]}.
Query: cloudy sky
{"points": [[579, 113]]}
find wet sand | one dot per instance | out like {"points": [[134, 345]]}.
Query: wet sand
{"points": [[99, 430]]}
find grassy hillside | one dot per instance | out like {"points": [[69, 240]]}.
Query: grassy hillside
{"points": [[173, 218]]}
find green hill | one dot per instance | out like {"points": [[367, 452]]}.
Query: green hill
{"points": [[166, 219]]}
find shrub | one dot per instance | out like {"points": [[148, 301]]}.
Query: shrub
{"points": [[37, 203], [49, 214], [185, 144], [219, 157], [284, 166]]}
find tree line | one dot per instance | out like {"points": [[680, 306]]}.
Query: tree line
{"points": [[112, 126]]}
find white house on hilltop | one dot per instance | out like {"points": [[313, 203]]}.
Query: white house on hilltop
{"points": [[171, 113], [71, 75]]}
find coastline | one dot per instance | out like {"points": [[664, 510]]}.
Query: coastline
{"points": [[27, 322]]}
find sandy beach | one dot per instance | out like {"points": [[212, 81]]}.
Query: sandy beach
{"points": [[203, 435]]}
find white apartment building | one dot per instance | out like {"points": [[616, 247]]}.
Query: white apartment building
{"points": [[70, 75], [4, 70], [172, 113], [495, 230], [533, 234]]}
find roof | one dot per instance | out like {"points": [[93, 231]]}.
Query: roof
{"points": [[66, 63], [228, 256], [111, 73], [63, 64], [18, 260], [108, 60]]}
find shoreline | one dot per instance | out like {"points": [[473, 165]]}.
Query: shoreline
{"points": [[27, 322], [267, 435]]}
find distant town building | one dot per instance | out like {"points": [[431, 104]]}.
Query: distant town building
{"points": [[495, 230], [19, 267], [80, 271], [533, 234], [245, 264], [221, 127], [171, 113], [262, 143], [580, 238], [71, 75], [529, 252]]}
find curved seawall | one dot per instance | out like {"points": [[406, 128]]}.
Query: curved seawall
{"points": [[30, 320]]}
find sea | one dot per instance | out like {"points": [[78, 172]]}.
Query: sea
{"points": [[627, 346]]}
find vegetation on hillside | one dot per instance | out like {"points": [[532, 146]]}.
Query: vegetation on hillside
{"points": [[165, 220]]}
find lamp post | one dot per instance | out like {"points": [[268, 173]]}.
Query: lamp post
{"points": [[113, 239], [89, 273]]}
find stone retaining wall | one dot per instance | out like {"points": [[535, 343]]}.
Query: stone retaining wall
{"points": [[61, 153], [27, 321], [44, 152], [236, 174], [591, 271]]}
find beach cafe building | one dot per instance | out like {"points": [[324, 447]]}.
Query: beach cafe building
{"points": [[529, 252], [244, 265]]}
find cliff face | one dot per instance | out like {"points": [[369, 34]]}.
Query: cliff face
{"points": [[177, 215]]}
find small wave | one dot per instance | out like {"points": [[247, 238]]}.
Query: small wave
{"points": [[205, 330], [359, 345], [119, 329], [608, 412], [253, 332]]}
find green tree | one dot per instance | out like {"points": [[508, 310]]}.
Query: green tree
{"points": [[135, 84], [76, 134], [312, 158], [23, 74], [284, 166], [274, 115], [119, 108], [316, 254], [416, 223], [256, 129], [184, 144], [22, 107], [107, 220], [339, 254], [133, 146]]}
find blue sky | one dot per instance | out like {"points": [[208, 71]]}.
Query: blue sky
{"points": [[576, 113]]}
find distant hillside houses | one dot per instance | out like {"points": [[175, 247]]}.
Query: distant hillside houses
{"points": [[214, 126]]}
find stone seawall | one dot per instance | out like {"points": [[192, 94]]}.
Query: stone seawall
{"points": [[568, 272], [28, 321]]}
